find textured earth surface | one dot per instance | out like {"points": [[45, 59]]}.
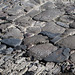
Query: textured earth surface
{"points": [[37, 37]]}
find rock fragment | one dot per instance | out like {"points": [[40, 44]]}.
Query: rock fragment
{"points": [[15, 10], [2, 47], [53, 28], [41, 51], [59, 55], [13, 33], [36, 39], [3, 15], [6, 51], [24, 21], [49, 34], [11, 42], [67, 32], [48, 15], [67, 42], [2, 6], [48, 5], [73, 57], [72, 25], [34, 30], [65, 25]]}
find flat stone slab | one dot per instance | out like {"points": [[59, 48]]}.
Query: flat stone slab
{"points": [[33, 12], [11, 42], [53, 28], [40, 24], [14, 17], [42, 50], [67, 42], [36, 39], [48, 5], [65, 19], [59, 55], [13, 33], [15, 10], [65, 25], [73, 57], [56, 39], [28, 5], [48, 15], [68, 32], [24, 21], [34, 30], [49, 34], [3, 27]]}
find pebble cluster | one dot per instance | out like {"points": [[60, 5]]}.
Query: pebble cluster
{"points": [[37, 37]]}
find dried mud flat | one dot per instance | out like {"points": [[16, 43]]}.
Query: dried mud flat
{"points": [[37, 37]]}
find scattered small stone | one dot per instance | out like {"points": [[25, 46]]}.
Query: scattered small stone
{"points": [[72, 25], [2, 6], [7, 51], [50, 65], [20, 60], [73, 70], [1, 61], [8, 57], [40, 70], [2, 47], [33, 68], [23, 47], [56, 70], [20, 66]]}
